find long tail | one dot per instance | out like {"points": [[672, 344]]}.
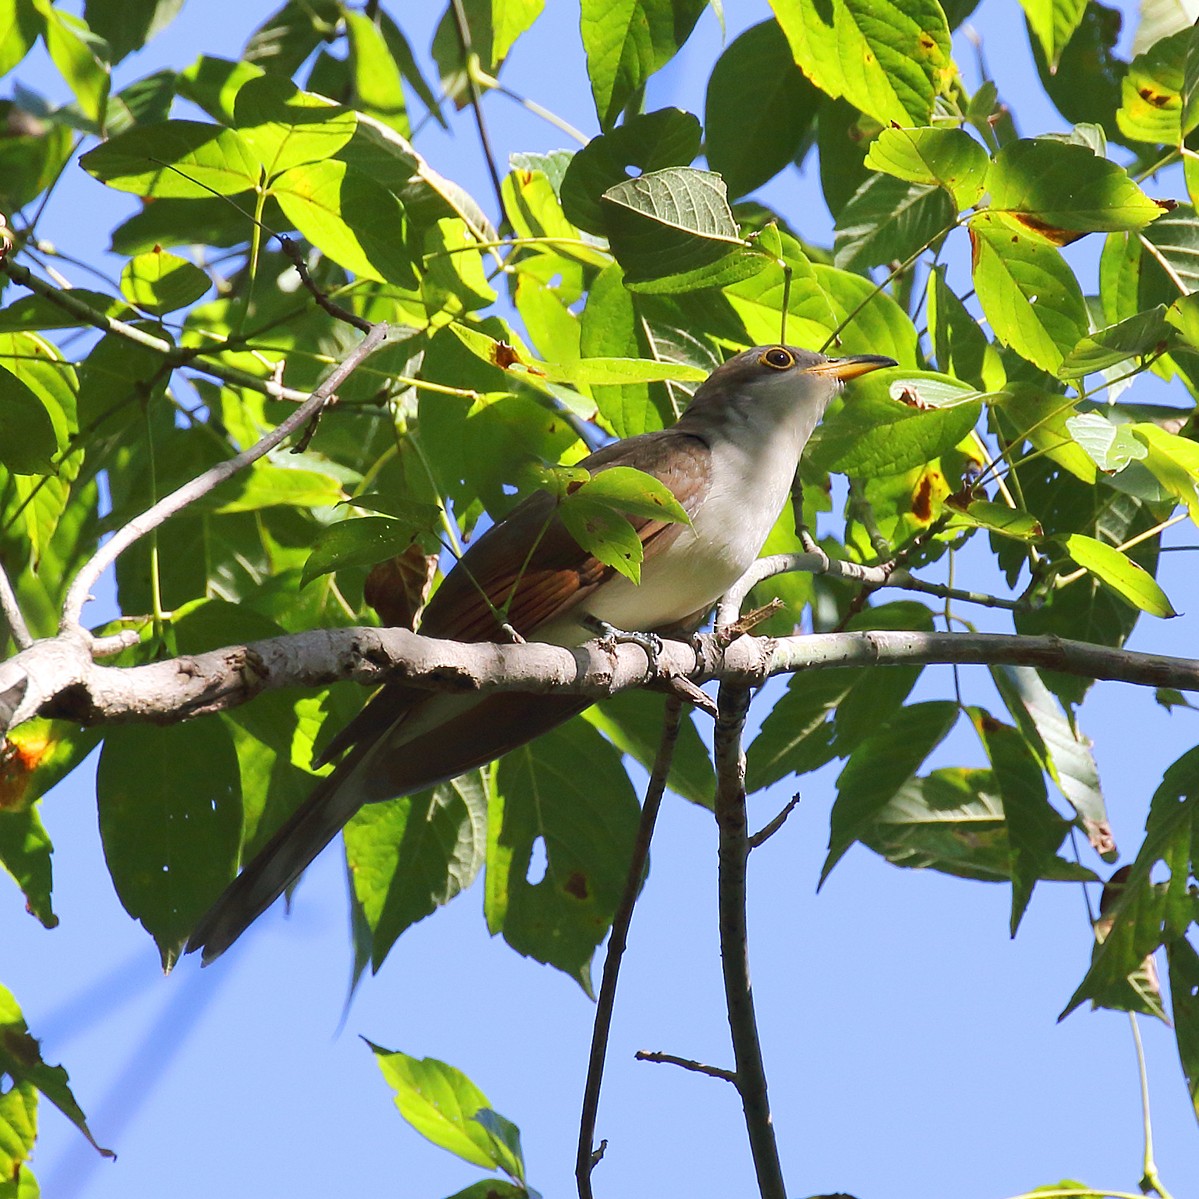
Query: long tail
{"points": [[281, 861]]}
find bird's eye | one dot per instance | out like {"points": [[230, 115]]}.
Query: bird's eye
{"points": [[778, 357]]}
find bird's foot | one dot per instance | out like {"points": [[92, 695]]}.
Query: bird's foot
{"points": [[611, 637]]}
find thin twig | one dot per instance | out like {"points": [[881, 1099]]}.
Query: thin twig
{"points": [[11, 611], [191, 491], [617, 941], [767, 831], [293, 253], [734, 939], [686, 1063]]}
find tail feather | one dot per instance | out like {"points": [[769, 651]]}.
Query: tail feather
{"points": [[280, 862]]}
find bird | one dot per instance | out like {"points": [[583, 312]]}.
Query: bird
{"points": [[729, 460]]}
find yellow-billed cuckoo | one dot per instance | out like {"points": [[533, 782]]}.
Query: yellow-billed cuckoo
{"points": [[729, 461]]}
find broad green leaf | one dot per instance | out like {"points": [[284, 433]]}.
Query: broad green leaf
{"points": [[186, 159], [361, 542], [649, 142], [441, 1103], [1027, 291], [759, 110], [535, 211], [1173, 461], [81, 57], [568, 790], [673, 230], [1046, 186], [626, 489], [19, 27], [285, 127], [27, 439], [606, 534], [1085, 85], [170, 820], [1135, 337], [1034, 829], [627, 41], [960, 347], [890, 64], [1120, 573], [1040, 417], [377, 83], [1053, 23], [345, 213], [632, 721], [1151, 93], [409, 856], [887, 220], [1184, 1001], [1148, 914], [1111, 446], [494, 26], [999, 518], [25, 850], [948, 158], [22, 1063], [867, 320], [160, 282], [1064, 749], [128, 26], [759, 300], [873, 435], [879, 767]]}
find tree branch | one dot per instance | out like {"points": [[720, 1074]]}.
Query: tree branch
{"points": [[686, 1063], [11, 611], [183, 496], [618, 940], [733, 703], [59, 677]]}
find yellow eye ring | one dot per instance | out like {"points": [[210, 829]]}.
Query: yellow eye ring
{"points": [[778, 357]]}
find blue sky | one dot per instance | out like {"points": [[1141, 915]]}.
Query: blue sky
{"points": [[912, 1048]]}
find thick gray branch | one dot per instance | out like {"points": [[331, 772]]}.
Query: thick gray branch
{"points": [[59, 676]]}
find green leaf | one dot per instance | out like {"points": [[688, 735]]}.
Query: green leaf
{"points": [[81, 57], [1041, 417], [377, 82], [632, 721], [891, 64], [1148, 914], [1027, 292], [1086, 84], [1109, 445], [947, 158], [128, 26], [1113, 567], [1184, 999], [160, 282], [1135, 337], [170, 820], [361, 542], [1053, 23], [185, 159], [887, 220], [1151, 93], [1064, 750], [285, 127], [998, 518], [676, 226], [605, 534], [21, 1061], [873, 435], [348, 215], [27, 437], [409, 856], [266, 485], [759, 109], [649, 142], [1034, 829], [569, 791], [1045, 185], [1173, 461], [442, 1104], [19, 27], [627, 41], [626, 489], [879, 767], [960, 347]]}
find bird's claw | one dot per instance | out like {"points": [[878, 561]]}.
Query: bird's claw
{"points": [[610, 637]]}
